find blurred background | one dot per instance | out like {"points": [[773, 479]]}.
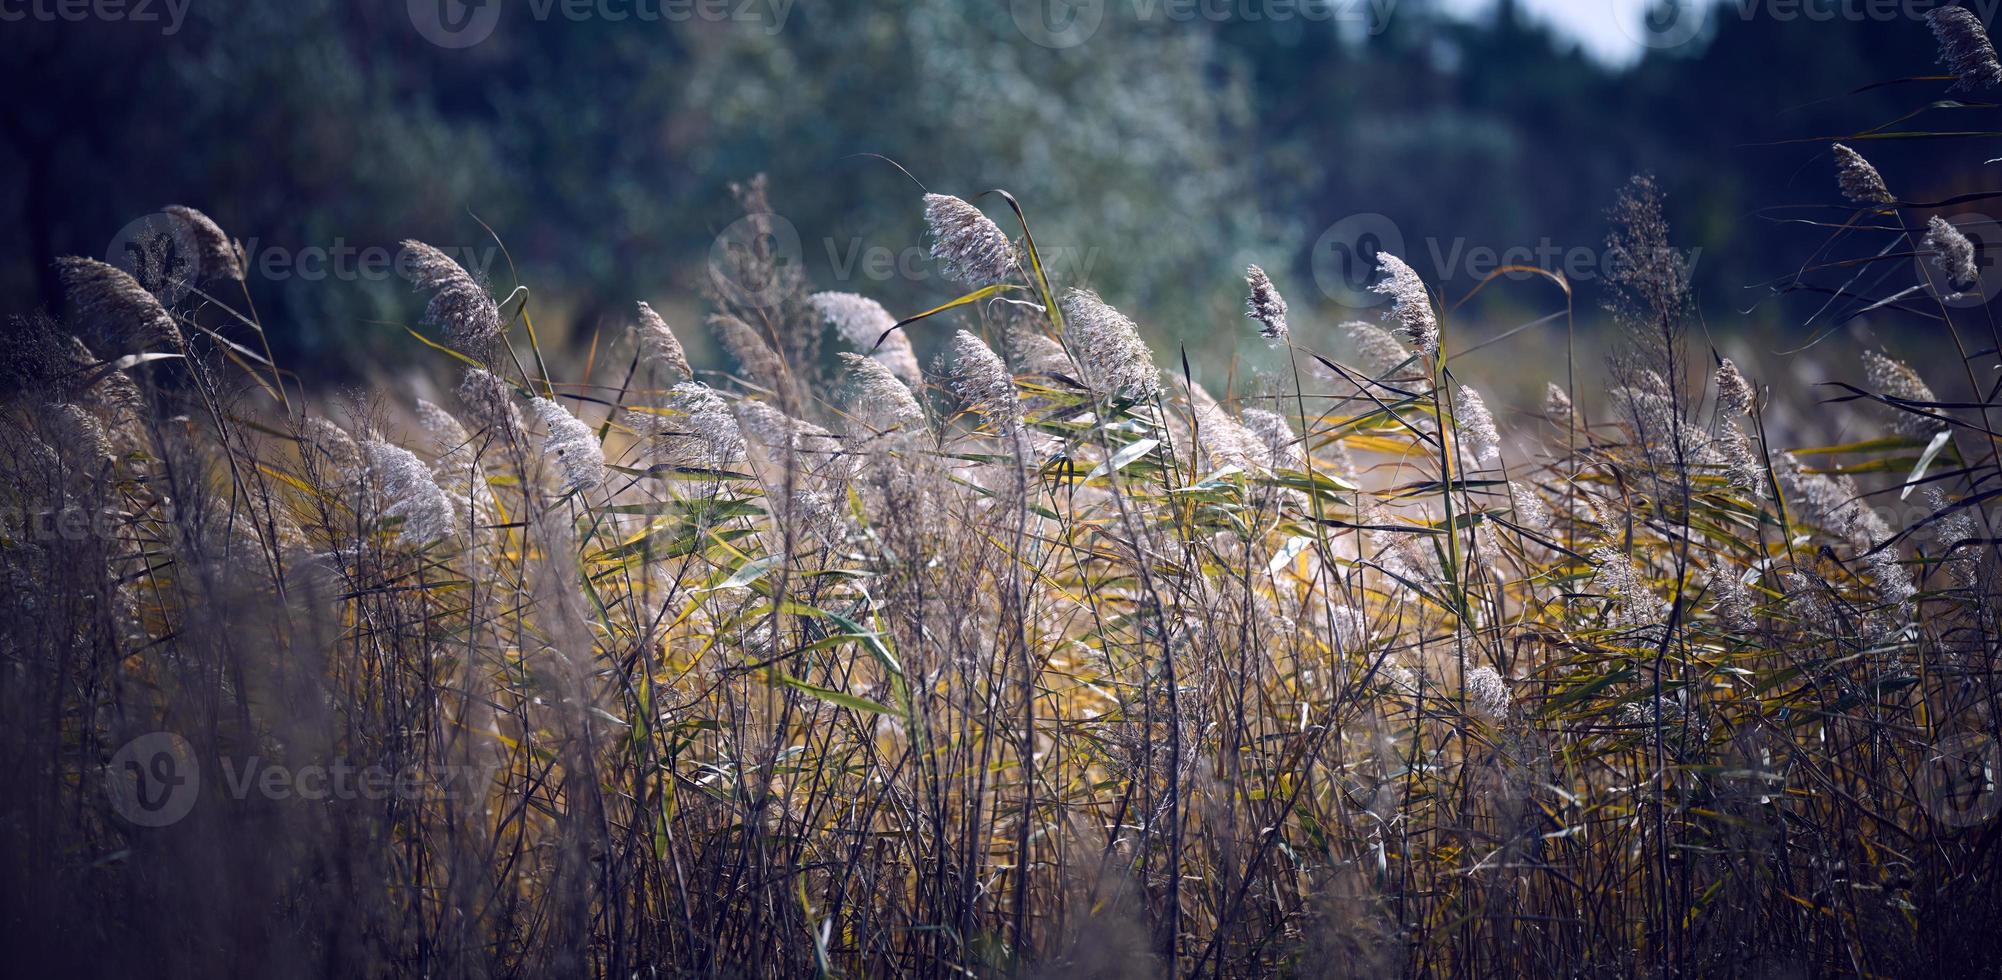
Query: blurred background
{"points": [[1157, 146]]}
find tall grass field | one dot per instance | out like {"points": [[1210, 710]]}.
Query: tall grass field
{"points": [[1055, 654]]}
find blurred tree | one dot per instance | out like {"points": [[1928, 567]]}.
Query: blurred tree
{"points": [[1154, 159]]}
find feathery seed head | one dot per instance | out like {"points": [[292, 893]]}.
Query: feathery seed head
{"points": [[1487, 696], [1647, 277], [1861, 183], [1265, 305], [814, 512], [1663, 711], [971, 248], [660, 349], [1035, 353], [408, 492], [768, 426], [1222, 438], [1964, 46], [580, 460], [445, 431], [760, 363], [765, 425], [1348, 627], [857, 318], [1529, 508], [1953, 253], [1953, 535], [1556, 403], [1402, 554], [457, 469], [1893, 581], [1829, 504], [1741, 460], [862, 322], [1619, 579], [111, 302], [701, 432], [1660, 435], [1477, 428], [981, 381], [39, 356], [1410, 306], [879, 400], [79, 434], [1952, 530], [489, 401], [1377, 353], [1896, 379], [328, 444], [1732, 599], [1807, 598], [1108, 347], [789, 439], [1282, 449], [705, 435], [220, 258], [1734, 392], [460, 304]]}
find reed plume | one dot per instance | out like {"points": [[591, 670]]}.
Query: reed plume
{"points": [[865, 325], [1265, 306], [1860, 181], [1411, 305], [109, 302], [1953, 254], [1965, 48], [217, 256], [580, 460], [1114, 359], [660, 349], [970, 248], [460, 304]]}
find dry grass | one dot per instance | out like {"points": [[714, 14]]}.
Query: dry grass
{"points": [[1080, 671]]}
